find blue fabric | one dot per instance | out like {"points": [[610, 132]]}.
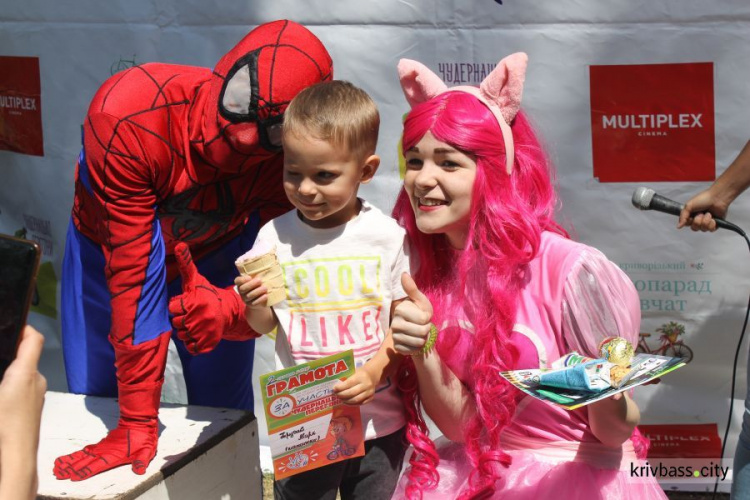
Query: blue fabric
{"points": [[83, 168], [152, 316], [220, 378], [574, 378], [85, 315], [225, 374]]}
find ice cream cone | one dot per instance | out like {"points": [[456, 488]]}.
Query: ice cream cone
{"points": [[266, 267]]}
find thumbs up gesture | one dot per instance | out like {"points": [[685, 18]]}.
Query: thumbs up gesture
{"points": [[203, 312], [411, 319]]}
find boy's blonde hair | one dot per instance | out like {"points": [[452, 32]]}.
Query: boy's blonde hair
{"points": [[337, 112]]}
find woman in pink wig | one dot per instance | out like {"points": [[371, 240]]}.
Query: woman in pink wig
{"points": [[503, 287]]}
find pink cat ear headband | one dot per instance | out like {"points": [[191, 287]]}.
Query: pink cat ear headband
{"points": [[500, 91]]}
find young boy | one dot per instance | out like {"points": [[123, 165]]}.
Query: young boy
{"points": [[342, 260]]}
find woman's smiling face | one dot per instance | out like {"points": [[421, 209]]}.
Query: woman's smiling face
{"points": [[439, 181]]}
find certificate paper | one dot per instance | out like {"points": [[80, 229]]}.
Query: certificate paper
{"points": [[308, 425]]}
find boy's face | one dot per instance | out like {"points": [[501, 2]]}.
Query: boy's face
{"points": [[321, 180]]}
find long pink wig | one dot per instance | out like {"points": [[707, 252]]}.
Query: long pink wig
{"points": [[482, 281]]}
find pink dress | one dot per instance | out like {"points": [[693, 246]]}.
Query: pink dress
{"points": [[574, 298]]}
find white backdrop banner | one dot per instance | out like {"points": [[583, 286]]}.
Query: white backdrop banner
{"points": [[698, 281]]}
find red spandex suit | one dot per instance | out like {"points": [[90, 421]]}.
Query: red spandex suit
{"points": [[176, 161]]}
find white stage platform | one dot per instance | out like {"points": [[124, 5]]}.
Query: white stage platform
{"points": [[204, 453]]}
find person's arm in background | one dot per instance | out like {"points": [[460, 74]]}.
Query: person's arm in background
{"points": [[716, 199], [21, 400]]}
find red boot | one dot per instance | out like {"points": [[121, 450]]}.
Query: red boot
{"points": [[140, 375]]}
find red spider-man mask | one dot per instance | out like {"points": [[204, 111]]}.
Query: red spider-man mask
{"points": [[252, 86]]}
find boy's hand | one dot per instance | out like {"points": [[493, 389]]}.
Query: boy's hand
{"points": [[252, 291], [357, 389]]}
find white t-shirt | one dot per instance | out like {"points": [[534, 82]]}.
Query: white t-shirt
{"points": [[340, 283]]}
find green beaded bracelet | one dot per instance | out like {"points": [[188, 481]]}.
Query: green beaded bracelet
{"points": [[431, 339]]}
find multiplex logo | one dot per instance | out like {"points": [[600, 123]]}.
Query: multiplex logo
{"points": [[21, 105], [653, 122], [13, 103]]}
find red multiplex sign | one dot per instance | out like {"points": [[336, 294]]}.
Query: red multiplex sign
{"points": [[653, 122]]}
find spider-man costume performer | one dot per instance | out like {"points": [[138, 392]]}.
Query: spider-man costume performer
{"points": [[176, 160]]}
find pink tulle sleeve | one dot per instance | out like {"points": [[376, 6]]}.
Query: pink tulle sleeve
{"points": [[599, 301]]}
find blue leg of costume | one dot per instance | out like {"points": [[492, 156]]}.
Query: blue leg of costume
{"points": [[86, 318], [87, 313]]}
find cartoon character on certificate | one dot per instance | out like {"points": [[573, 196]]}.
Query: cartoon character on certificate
{"points": [[337, 428]]}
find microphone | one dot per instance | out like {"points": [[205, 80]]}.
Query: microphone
{"points": [[647, 199]]}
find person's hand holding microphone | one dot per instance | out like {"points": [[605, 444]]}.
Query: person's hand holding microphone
{"points": [[700, 210]]}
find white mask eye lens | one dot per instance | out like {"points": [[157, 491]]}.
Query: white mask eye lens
{"points": [[237, 93]]}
